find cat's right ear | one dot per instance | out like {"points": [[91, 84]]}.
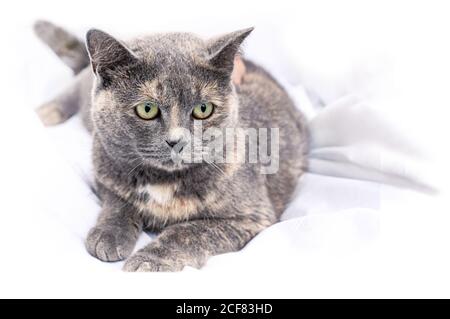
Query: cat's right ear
{"points": [[106, 53], [222, 50]]}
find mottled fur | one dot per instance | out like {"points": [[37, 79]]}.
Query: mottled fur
{"points": [[199, 209]]}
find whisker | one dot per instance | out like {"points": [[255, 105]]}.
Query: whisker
{"points": [[134, 168], [215, 166]]}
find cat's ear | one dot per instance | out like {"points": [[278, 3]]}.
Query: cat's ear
{"points": [[223, 49], [107, 53]]}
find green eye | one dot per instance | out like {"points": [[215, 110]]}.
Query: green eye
{"points": [[203, 110], [147, 110]]}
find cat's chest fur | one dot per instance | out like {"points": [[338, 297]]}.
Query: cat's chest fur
{"points": [[163, 201], [158, 194]]}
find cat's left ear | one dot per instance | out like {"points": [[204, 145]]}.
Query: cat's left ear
{"points": [[107, 53], [223, 49]]}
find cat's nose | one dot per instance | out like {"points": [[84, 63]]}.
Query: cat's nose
{"points": [[176, 138], [172, 143], [176, 145]]}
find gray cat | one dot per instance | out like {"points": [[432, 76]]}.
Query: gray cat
{"points": [[135, 97]]}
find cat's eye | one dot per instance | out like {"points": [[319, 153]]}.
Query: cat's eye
{"points": [[147, 110], [203, 110]]}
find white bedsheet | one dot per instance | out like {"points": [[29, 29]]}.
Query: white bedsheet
{"points": [[357, 219]]}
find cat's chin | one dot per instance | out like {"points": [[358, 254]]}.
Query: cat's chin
{"points": [[175, 167], [170, 166]]}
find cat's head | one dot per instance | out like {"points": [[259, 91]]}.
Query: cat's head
{"points": [[149, 92]]}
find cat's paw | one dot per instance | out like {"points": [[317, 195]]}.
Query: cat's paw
{"points": [[141, 262], [50, 114], [109, 243]]}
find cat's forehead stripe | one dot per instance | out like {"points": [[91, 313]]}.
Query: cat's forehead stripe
{"points": [[174, 117], [152, 89]]}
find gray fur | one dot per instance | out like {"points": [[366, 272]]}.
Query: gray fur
{"points": [[199, 210], [66, 46]]}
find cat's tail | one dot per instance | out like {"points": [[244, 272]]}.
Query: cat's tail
{"points": [[71, 50]]}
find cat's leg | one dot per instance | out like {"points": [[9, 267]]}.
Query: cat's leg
{"points": [[58, 110], [116, 232], [191, 243], [69, 102]]}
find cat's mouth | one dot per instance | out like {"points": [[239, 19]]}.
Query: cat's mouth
{"points": [[166, 164], [172, 161]]}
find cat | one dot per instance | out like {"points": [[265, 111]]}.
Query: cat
{"points": [[135, 97]]}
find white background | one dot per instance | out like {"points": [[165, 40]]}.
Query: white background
{"points": [[325, 41]]}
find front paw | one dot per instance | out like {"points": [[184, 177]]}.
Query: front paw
{"points": [[109, 243], [141, 262]]}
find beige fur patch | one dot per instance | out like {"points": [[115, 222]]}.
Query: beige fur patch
{"points": [[160, 194], [50, 114], [209, 91], [165, 205], [150, 89], [175, 117]]}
